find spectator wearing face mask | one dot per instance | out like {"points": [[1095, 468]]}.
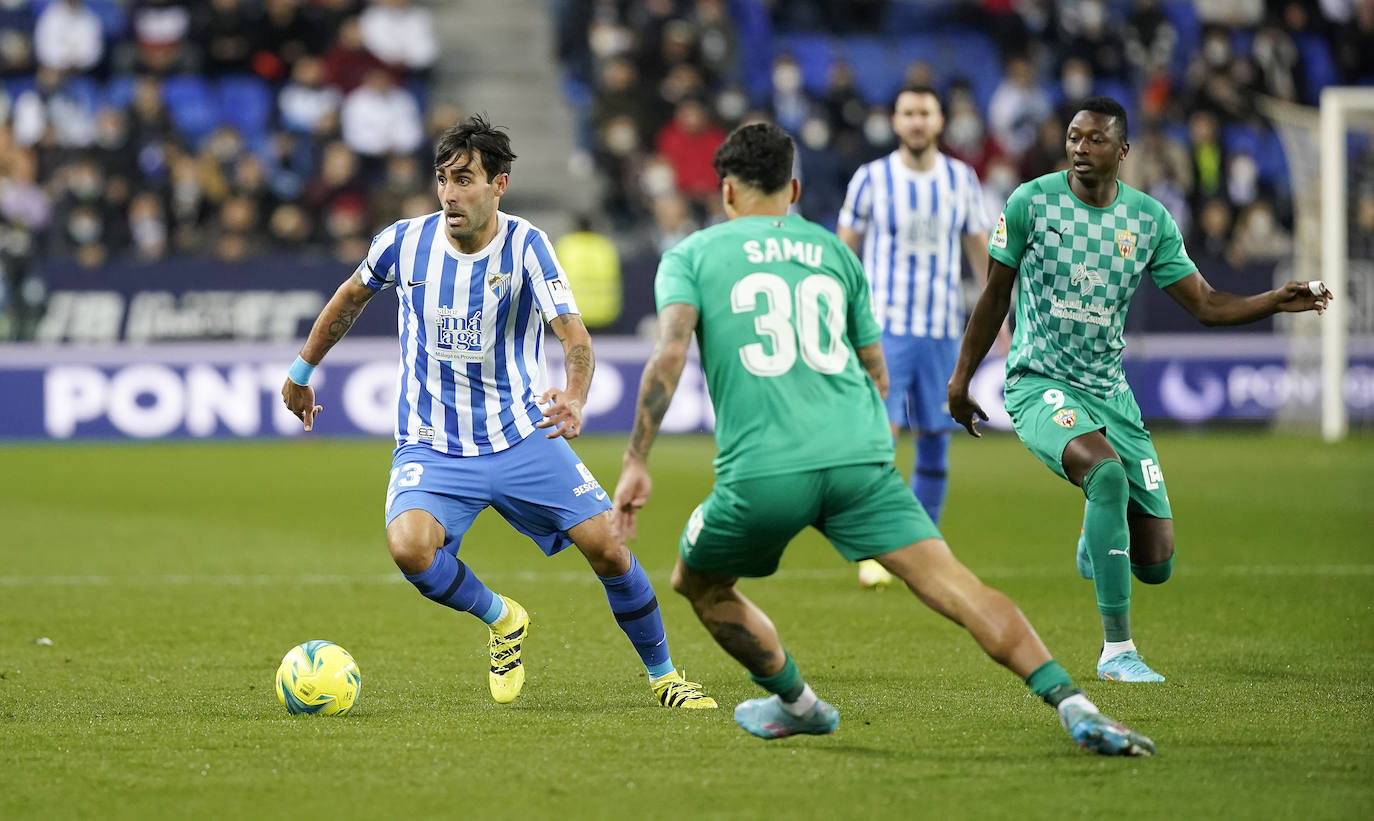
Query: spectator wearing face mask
{"points": [[966, 137], [1017, 108], [789, 104], [1258, 236]]}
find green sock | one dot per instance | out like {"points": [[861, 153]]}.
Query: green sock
{"points": [[787, 682], [1154, 573], [1052, 683], [1108, 539], [1116, 626]]}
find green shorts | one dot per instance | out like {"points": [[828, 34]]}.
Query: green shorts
{"points": [[1048, 414], [743, 526]]}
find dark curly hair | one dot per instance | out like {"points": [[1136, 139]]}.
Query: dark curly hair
{"points": [[1109, 107], [758, 155], [475, 134]]}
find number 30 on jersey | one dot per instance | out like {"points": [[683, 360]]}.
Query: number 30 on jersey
{"points": [[792, 323]]}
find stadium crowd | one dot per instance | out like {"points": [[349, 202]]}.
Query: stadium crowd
{"points": [[149, 129], [664, 80], [230, 128]]}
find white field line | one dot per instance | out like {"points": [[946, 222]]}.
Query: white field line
{"points": [[585, 576]]}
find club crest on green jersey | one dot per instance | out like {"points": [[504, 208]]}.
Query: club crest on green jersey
{"points": [[1125, 242]]}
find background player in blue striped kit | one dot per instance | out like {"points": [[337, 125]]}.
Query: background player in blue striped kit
{"points": [[906, 215], [475, 287]]}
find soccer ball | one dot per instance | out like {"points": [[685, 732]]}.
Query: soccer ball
{"points": [[318, 677]]}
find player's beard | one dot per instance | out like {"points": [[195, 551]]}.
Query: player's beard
{"points": [[917, 149]]}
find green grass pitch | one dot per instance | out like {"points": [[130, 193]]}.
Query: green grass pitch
{"points": [[171, 579]]}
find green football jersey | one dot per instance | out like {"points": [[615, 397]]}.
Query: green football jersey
{"points": [[783, 305], [1078, 267]]}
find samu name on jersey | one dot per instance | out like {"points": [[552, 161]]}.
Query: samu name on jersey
{"points": [[783, 305], [911, 223], [1078, 267], [471, 329]]}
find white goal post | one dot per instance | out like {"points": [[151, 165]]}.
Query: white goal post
{"points": [[1337, 106]]}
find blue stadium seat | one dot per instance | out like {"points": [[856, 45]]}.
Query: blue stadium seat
{"points": [[577, 93], [119, 91], [972, 55], [18, 84], [912, 47], [754, 26], [1120, 91], [85, 91], [245, 102], [876, 74], [907, 17], [1242, 42], [1239, 138], [814, 53], [191, 105], [1184, 17], [1178, 131], [1272, 161], [1319, 69]]}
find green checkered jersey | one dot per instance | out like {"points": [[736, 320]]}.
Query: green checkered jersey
{"points": [[1078, 267], [783, 304]]}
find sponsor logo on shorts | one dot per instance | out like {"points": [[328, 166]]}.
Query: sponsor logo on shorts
{"points": [[1065, 418], [695, 523], [589, 485]]}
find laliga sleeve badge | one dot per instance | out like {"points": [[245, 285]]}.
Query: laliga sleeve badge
{"points": [[999, 235]]}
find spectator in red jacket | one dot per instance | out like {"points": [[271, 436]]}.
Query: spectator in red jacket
{"points": [[688, 142]]}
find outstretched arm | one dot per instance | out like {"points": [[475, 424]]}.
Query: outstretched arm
{"points": [[339, 314], [676, 322], [1220, 308], [564, 413], [983, 325]]}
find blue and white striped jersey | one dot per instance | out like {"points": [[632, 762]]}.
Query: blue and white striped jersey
{"points": [[471, 328], [912, 223]]}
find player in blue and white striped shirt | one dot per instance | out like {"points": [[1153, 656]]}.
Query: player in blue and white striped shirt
{"points": [[475, 287], [906, 216]]}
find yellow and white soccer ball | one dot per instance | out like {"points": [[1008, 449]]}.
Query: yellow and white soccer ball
{"points": [[318, 677]]}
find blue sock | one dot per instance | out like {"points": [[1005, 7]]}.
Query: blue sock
{"points": [[450, 583], [930, 476], [635, 609]]}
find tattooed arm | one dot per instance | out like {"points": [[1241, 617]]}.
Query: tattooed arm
{"points": [[338, 316], [871, 357], [676, 322], [564, 411]]}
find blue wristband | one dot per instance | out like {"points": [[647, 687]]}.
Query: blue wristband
{"points": [[300, 372]]}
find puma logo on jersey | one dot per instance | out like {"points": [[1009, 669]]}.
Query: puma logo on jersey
{"points": [[1085, 279]]}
